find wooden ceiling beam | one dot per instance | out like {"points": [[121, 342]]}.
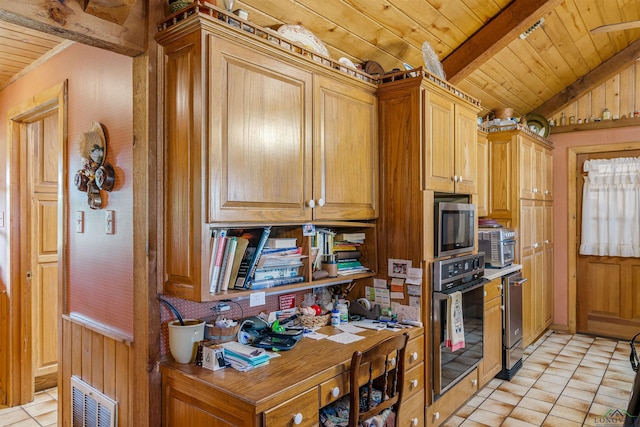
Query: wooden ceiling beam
{"points": [[589, 81], [494, 36], [67, 19]]}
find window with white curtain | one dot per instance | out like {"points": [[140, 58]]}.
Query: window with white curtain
{"points": [[611, 208]]}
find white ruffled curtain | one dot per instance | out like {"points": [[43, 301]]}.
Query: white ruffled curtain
{"points": [[611, 208]]}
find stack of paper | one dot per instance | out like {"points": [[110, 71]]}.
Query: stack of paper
{"points": [[243, 357]]}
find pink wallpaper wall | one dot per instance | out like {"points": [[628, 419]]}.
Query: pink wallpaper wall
{"points": [[100, 265], [562, 143]]}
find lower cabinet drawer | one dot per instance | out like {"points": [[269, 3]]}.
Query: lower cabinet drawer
{"points": [[412, 411], [453, 399], [301, 411], [414, 354], [413, 380], [333, 389]]}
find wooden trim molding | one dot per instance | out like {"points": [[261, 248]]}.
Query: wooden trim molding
{"points": [[572, 211]]}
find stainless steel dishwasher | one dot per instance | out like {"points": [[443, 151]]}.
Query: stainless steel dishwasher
{"points": [[512, 350]]}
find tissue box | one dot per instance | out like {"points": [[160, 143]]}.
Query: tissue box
{"points": [[213, 357]]}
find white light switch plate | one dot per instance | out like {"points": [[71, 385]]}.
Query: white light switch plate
{"points": [[79, 221], [109, 222]]}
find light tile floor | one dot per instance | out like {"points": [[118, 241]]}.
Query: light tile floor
{"points": [[566, 380], [43, 411]]}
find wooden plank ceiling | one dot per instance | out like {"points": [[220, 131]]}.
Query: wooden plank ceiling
{"points": [[477, 41]]}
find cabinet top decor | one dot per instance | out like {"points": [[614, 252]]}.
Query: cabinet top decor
{"points": [[212, 14]]}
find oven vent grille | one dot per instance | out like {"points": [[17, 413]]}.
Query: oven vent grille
{"points": [[91, 408]]}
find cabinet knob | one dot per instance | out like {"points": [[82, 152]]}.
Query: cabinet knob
{"points": [[535, 190], [297, 418], [321, 202], [546, 192], [455, 178], [502, 307], [414, 421], [436, 415], [392, 362], [414, 383], [535, 245], [414, 356], [500, 287], [460, 178], [546, 242], [311, 203], [335, 392], [474, 382]]}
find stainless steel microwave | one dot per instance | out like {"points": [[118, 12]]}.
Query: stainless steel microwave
{"points": [[455, 228]]}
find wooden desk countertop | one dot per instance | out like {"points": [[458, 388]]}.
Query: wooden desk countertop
{"points": [[308, 364]]}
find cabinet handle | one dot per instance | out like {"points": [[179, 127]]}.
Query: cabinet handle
{"points": [[297, 418], [436, 415], [546, 242], [546, 192], [535, 190], [311, 203], [502, 307], [414, 356], [414, 421], [414, 383], [535, 245], [455, 178], [474, 382], [335, 392], [485, 294], [500, 287], [321, 202]]}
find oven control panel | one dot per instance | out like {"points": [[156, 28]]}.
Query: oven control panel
{"points": [[457, 270]]}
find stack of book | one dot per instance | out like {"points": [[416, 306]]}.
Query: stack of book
{"points": [[243, 357], [234, 257], [346, 248], [279, 264]]}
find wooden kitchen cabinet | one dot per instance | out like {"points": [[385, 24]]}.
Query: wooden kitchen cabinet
{"points": [[482, 175], [422, 123], [450, 143], [256, 135], [521, 196], [453, 399], [491, 363]]}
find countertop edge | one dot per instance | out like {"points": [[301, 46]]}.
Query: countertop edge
{"points": [[494, 273]]}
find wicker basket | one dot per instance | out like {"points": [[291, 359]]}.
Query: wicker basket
{"points": [[315, 321]]}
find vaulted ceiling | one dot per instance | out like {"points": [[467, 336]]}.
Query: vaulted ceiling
{"points": [[477, 42]]}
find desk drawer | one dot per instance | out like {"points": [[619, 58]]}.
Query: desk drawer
{"points": [[412, 411], [414, 354], [303, 408], [333, 389], [413, 380]]}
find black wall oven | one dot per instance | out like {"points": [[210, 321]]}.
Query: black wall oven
{"points": [[464, 274]]}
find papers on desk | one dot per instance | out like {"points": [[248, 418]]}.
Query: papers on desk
{"points": [[345, 338], [244, 357], [370, 324]]}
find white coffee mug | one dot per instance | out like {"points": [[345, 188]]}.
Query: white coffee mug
{"points": [[183, 340]]}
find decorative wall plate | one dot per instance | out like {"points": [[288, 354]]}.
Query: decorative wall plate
{"points": [[302, 36], [431, 61], [538, 124]]}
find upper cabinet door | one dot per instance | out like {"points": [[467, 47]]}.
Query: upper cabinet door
{"points": [[439, 142], [466, 138], [345, 177], [259, 136]]}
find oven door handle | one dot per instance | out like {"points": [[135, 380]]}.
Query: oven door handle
{"points": [[478, 283], [518, 282]]}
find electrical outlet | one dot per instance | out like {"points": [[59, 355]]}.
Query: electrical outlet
{"points": [[109, 224]]}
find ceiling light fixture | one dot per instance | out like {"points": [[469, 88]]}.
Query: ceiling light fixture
{"points": [[531, 29]]}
